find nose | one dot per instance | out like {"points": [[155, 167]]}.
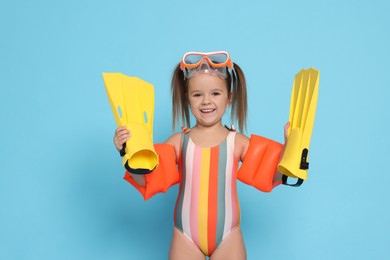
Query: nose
{"points": [[206, 99]]}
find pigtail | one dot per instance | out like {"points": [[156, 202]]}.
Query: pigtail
{"points": [[239, 101], [180, 110]]}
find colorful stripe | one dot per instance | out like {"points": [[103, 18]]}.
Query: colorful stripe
{"points": [[235, 207], [195, 195], [221, 192], [203, 199], [187, 179], [228, 194], [213, 199], [180, 197], [207, 205], [234, 194]]}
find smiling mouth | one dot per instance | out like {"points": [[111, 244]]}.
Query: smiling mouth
{"points": [[207, 110]]}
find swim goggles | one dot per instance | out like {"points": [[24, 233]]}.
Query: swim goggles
{"points": [[216, 63]]}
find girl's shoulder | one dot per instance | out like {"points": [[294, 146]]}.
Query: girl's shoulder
{"points": [[174, 139], [241, 139]]}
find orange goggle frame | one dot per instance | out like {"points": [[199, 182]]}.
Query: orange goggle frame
{"points": [[216, 59]]}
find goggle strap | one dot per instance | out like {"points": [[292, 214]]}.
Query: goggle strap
{"points": [[234, 76]]}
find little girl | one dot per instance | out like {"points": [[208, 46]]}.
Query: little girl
{"points": [[207, 213]]}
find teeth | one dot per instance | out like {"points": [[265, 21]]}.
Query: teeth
{"points": [[207, 110]]}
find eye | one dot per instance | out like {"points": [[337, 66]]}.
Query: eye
{"points": [[196, 95], [216, 93]]}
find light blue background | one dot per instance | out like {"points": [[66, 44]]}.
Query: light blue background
{"points": [[61, 190]]}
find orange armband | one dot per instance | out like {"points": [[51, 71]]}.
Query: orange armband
{"points": [[163, 177], [260, 164]]}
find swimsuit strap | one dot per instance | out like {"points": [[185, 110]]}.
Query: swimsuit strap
{"points": [[232, 128]]}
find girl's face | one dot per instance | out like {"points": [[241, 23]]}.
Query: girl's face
{"points": [[208, 98]]}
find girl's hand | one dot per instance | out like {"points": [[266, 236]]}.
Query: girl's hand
{"points": [[121, 136], [278, 176], [286, 126]]}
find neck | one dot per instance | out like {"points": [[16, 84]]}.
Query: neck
{"points": [[209, 129], [208, 136]]}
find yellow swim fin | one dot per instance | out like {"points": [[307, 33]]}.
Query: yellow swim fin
{"points": [[294, 162], [132, 103]]}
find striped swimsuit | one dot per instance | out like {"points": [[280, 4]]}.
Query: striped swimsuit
{"points": [[207, 207]]}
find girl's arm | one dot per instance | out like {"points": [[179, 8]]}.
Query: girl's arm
{"points": [[241, 146], [122, 134], [278, 175], [175, 140], [166, 173], [242, 143], [260, 157]]}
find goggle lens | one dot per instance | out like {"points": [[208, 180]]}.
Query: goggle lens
{"points": [[217, 58]]}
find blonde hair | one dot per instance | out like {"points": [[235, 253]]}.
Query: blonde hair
{"points": [[235, 84]]}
